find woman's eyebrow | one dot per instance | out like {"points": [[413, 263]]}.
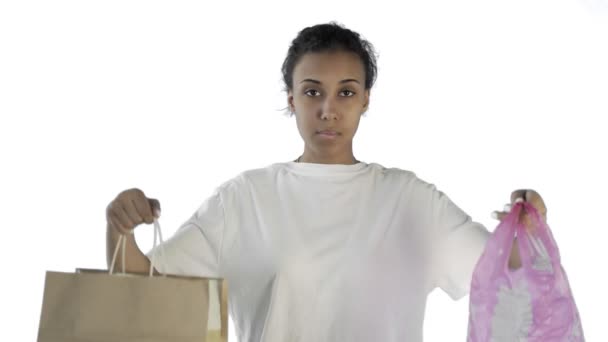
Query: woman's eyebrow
{"points": [[319, 82]]}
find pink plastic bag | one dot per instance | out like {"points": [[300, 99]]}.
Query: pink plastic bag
{"points": [[533, 303]]}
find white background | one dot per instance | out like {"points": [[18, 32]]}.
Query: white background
{"points": [[478, 97]]}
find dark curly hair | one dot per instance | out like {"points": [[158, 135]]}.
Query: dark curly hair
{"points": [[329, 37]]}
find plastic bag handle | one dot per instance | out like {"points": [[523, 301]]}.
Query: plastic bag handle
{"points": [[510, 227], [530, 240], [510, 221]]}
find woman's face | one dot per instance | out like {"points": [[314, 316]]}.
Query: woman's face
{"points": [[328, 95]]}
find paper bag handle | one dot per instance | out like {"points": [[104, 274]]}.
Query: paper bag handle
{"points": [[121, 244]]}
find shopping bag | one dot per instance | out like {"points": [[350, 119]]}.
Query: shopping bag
{"points": [[533, 303], [108, 306]]}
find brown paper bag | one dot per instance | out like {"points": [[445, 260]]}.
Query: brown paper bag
{"points": [[101, 306], [93, 306]]}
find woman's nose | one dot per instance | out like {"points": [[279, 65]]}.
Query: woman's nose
{"points": [[329, 110]]}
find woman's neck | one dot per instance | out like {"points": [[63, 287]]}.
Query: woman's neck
{"points": [[307, 158]]}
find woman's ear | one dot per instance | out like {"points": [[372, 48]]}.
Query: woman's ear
{"points": [[290, 104], [366, 101]]}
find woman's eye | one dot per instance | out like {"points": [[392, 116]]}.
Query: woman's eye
{"points": [[314, 93]]}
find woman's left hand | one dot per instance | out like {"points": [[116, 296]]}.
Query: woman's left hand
{"points": [[537, 202], [529, 196]]}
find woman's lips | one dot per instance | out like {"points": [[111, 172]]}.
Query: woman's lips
{"points": [[328, 133]]}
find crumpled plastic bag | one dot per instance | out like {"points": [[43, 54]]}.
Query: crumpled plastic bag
{"points": [[533, 303]]}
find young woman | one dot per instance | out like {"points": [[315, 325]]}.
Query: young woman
{"points": [[325, 247]]}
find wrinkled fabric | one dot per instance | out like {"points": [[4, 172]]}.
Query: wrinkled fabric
{"points": [[329, 252]]}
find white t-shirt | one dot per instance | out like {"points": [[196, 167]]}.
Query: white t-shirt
{"points": [[325, 253]]}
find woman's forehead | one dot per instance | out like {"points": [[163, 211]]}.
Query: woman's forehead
{"points": [[329, 67]]}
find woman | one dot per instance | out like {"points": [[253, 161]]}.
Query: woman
{"points": [[325, 247]]}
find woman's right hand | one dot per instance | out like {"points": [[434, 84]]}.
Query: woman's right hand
{"points": [[131, 208]]}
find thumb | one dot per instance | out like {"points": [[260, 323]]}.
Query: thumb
{"points": [[499, 215], [155, 206]]}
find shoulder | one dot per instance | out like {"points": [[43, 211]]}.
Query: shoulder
{"points": [[392, 171], [411, 185], [250, 176], [259, 174], [401, 175]]}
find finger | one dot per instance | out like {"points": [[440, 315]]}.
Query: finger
{"points": [[526, 220], [525, 217], [116, 212], [131, 211], [142, 206], [116, 223], [518, 194], [499, 215], [537, 202], [124, 219], [155, 206]]}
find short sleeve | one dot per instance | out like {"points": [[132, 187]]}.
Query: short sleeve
{"points": [[194, 249], [457, 247]]}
